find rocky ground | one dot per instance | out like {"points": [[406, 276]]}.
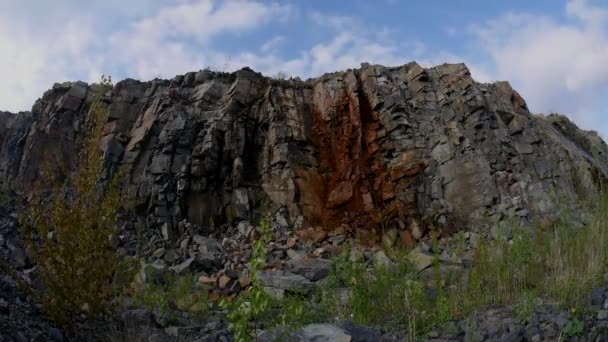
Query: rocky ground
{"points": [[21, 318], [298, 260]]}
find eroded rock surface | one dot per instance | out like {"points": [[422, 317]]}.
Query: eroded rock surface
{"points": [[419, 145]]}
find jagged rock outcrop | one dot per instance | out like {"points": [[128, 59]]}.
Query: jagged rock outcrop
{"points": [[423, 146]]}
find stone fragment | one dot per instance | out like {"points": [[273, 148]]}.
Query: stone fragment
{"points": [[381, 259], [414, 228], [223, 281], [313, 269], [167, 231], [187, 266], [285, 281], [154, 273], [205, 280], [323, 333], [244, 280], [406, 238], [341, 194], [389, 238], [360, 333], [420, 260], [295, 255]]}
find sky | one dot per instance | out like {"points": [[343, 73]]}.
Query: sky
{"points": [[555, 53]]}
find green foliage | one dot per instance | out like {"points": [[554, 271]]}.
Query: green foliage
{"points": [[574, 326], [125, 271], [561, 264], [255, 303], [459, 243], [69, 231], [506, 269], [294, 312], [388, 296], [174, 292]]}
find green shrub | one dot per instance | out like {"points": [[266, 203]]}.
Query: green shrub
{"points": [[574, 326], [69, 231], [389, 296], [174, 293], [255, 303], [560, 264]]}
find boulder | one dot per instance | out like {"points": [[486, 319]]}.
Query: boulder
{"points": [[420, 259], [313, 269], [285, 281]]}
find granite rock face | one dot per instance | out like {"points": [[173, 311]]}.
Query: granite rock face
{"points": [[420, 146]]}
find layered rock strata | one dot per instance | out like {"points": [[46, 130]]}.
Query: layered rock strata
{"points": [[405, 145]]}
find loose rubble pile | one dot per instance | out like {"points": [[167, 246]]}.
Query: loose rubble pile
{"points": [[21, 319], [296, 259]]}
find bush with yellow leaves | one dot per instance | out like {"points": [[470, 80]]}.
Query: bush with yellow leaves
{"points": [[68, 232]]}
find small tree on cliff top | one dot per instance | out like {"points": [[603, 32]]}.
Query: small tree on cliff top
{"points": [[69, 231]]}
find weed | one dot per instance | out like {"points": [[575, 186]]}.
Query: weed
{"points": [[174, 292], [519, 269], [459, 243], [574, 326], [69, 232], [255, 303]]}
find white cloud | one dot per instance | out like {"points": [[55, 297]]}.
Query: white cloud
{"points": [[272, 44], [203, 19], [557, 66], [31, 59], [160, 45], [41, 43], [595, 16], [353, 42]]}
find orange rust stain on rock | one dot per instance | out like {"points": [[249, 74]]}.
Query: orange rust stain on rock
{"points": [[353, 183], [344, 135]]}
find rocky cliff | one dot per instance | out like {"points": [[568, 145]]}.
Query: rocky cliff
{"points": [[417, 146]]}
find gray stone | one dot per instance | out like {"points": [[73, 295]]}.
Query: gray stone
{"points": [[359, 333], [421, 260], [274, 292], [337, 240], [240, 200], [208, 245], [55, 335], [309, 333], [381, 259], [154, 273], [285, 281], [244, 228], [313, 269], [281, 220], [295, 255], [209, 262], [323, 333], [167, 231], [187, 266]]}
